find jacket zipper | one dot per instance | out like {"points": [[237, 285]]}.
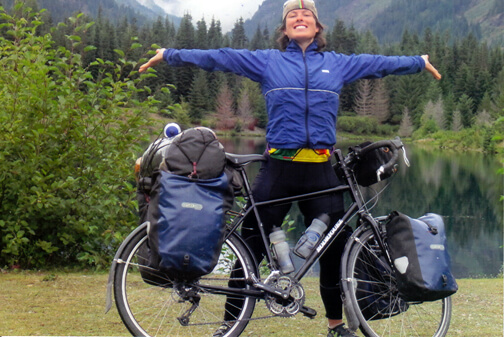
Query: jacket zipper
{"points": [[306, 101]]}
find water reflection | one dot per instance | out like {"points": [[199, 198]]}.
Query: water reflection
{"points": [[463, 187]]}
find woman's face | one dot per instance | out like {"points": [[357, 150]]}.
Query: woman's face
{"points": [[301, 25]]}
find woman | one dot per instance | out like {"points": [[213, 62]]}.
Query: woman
{"points": [[301, 86]]}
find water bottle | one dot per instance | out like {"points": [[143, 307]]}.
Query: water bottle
{"points": [[311, 236], [281, 250]]}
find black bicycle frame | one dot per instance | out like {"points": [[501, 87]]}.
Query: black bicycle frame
{"points": [[356, 206]]}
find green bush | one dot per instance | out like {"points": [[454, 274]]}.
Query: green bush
{"points": [[357, 125], [68, 144]]}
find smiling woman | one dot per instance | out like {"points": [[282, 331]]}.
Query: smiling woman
{"points": [[300, 23]]}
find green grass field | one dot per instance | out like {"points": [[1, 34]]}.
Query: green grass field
{"points": [[73, 304]]}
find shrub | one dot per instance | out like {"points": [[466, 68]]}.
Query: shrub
{"points": [[357, 125], [68, 143]]}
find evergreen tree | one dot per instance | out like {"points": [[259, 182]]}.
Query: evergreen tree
{"points": [[201, 35], [171, 33], [267, 39], [239, 38], [434, 111], [483, 118], [343, 40], [215, 80], [215, 35], [244, 110], [364, 99], [225, 112], [257, 102], [185, 35], [368, 43], [406, 127], [434, 92], [465, 107], [258, 41], [185, 39], [449, 106], [406, 91], [457, 124], [198, 97], [487, 104], [380, 101]]}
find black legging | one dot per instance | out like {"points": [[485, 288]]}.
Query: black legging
{"points": [[277, 179]]}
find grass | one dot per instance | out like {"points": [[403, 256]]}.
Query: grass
{"points": [[73, 304]]}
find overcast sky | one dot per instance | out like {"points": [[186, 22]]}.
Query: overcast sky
{"points": [[226, 11]]}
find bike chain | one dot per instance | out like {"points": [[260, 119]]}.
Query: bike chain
{"points": [[238, 320], [246, 319]]}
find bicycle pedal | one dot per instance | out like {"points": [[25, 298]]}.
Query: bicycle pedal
{"points": [[308, 312]]}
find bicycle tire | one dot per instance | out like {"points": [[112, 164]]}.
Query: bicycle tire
{"points": [[373, 295], [150, 309]]}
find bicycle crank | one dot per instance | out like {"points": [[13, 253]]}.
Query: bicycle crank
{"points": [[285, 307]]}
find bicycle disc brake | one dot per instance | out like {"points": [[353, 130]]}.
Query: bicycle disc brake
{"points": [[285, 307]]}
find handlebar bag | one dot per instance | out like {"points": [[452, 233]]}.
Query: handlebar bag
{"points": [[187, 224], [420, 257], [365, 167]]}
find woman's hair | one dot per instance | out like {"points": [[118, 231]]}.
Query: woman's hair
{"points": [[283, 39]]}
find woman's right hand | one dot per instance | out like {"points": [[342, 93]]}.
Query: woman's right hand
{"points": [[155, 60], [430, 68]]}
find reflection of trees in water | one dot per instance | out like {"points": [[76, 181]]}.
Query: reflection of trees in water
{"points": [[243, 145]]}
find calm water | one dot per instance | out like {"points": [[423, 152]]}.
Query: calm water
{"points": [[463, 187]]}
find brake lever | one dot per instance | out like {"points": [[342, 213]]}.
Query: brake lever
{"points": [[405, 157]]}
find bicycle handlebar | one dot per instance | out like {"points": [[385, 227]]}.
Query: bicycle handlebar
{"points": [[393, 145]]}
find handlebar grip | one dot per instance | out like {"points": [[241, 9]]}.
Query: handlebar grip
{"points": [[393, 144], [387, 168]]}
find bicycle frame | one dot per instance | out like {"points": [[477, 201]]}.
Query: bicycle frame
{"points": [[356, 207]]}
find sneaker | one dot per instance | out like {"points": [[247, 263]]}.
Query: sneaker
{"points": [[340, 331], [221, 331]]}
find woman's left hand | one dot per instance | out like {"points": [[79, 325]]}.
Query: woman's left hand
{"points": [[155, 60], [430, 68]]}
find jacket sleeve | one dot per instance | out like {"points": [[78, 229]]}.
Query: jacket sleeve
{"points": [[377, 66], [242, 62]]}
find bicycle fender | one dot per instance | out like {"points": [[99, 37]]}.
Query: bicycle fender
{"points": [[110, 281], [256, 264], [352, 320]]}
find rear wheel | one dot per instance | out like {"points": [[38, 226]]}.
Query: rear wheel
{"points": [[371, 288], [151, 304]]}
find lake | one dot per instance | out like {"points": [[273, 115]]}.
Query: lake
{"points": [[462, 187]]}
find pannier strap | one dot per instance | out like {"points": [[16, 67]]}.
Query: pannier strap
{"points": [[194, 173]]}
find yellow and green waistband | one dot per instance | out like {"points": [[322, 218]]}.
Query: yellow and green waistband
{"points": [[301, 155]]}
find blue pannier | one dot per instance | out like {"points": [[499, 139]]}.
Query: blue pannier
{"points": [[186, 224], [420, 257]]}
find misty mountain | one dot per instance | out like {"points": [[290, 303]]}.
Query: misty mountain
{"points": [[388, 19], [112, 9]]}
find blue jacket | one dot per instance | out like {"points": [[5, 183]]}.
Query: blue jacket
{"points": [[301, 89]]}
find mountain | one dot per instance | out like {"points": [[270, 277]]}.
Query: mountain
{"points": [[111, 9], [388, 19]]}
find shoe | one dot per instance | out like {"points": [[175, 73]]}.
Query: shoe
{"points": [[221, 331], [340, 331]]}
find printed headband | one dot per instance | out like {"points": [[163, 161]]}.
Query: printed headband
{"points": [[290, 5]]}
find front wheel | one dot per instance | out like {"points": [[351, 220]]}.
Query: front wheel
{"points": [[151, 304], [371, 290]]}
